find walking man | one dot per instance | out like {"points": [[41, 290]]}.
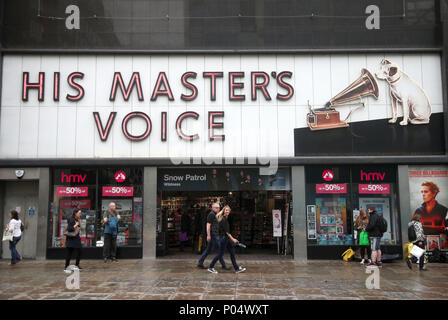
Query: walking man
{"points": [[212, 237], [110, 222]]}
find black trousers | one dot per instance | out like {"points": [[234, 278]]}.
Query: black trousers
{"points": [[70, 251], [110, 246], [364, 250]]}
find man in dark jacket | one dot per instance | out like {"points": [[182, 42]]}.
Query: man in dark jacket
{"points": [[375, 234]]}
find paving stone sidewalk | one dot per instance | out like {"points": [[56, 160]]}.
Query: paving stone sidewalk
{"points": [[172, 278]]}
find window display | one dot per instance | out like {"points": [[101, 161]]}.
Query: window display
{"points": [[79, 189], [335, 196]]}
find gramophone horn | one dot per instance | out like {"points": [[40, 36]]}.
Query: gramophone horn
{"points": [[364, 86]]}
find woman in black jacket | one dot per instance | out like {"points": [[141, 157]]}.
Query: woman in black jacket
{"points": [[73, 243]]}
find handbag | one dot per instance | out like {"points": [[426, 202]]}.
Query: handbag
{"points": [[348, 254], [416, 251], [71, 233], [7, 235], [364, 238]]}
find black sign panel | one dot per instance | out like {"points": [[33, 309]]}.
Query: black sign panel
{"points": [[374, 137], [220, 25]]}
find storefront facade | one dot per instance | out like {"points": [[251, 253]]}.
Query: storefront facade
{"points": [[311, 135]]}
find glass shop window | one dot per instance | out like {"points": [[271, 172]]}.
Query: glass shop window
{"points": [[72, 189], [335, 196], [124, 187]]}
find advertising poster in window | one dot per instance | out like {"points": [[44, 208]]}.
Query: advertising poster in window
{"points": [[428, 188], [382, 206], [66, 208], [277, 223], [331, 217], [311, 219]]}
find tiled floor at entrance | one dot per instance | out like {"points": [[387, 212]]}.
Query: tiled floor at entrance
{"points": [[178, 278]]}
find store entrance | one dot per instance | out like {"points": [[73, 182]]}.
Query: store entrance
{"points": [[23, 197], [251, 221]]}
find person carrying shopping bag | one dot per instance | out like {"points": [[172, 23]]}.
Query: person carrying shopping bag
{"points": [[15, 227], [363, 237], [418, 239]]}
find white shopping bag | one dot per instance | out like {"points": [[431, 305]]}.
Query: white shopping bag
{"points": [[416, 251], [7, 235]]}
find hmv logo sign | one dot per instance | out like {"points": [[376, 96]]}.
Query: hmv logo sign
{"points": [[73, 178], [372, 176]]}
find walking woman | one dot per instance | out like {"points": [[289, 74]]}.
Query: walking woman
{"points": [[73, 240], [225, 241], [419, 241], [14, 226], [363, 237]]}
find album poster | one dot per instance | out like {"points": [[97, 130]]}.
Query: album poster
{"points": [[432, 243], [443, 242], [428, 188]]}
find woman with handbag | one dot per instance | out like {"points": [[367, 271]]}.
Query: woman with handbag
{"points": [[73, 239], [15, 227], [419, 241], [363, 237]]}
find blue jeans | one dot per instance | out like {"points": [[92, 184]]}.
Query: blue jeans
{"points": [[213, 243], [375, 243], [15, 256], [228, 245], [224, 243]]}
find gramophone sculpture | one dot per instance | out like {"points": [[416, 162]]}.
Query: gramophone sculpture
{"points": [[328, 117]]}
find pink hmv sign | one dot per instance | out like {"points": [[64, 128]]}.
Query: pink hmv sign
{"points": [[72, 191], [118, 191], [331, 188]]}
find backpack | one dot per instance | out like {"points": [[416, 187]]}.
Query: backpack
{"points": [[412, 236], [382, 224]]}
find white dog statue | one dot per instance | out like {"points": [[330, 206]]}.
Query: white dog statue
{"points": [[415, 102]]}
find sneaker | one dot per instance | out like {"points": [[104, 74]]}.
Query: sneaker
{"points": [[379, 264], [226, 268], [371, 264], [201, 266], [212, 270], [67, 270], [369, 261], [409, 263], [114, 260], [77, 268], [12, 264], [105, 260], [240, 269], [20, 259], [362, 261]]}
